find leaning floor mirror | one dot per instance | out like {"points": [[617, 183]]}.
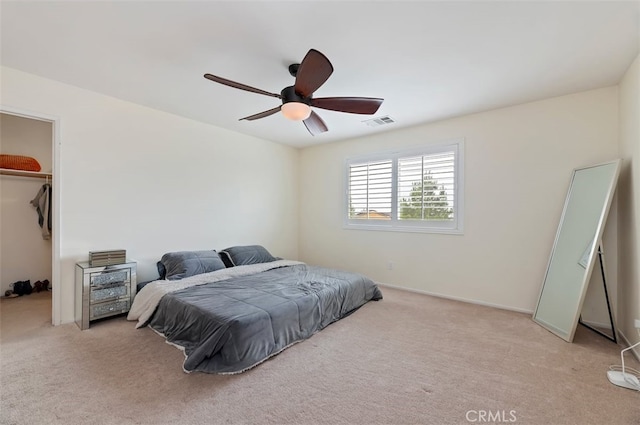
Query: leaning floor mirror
{"points": [[575, 248]]}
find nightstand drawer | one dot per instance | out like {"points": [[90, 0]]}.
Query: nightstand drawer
{"points": [[110, 277], [108, 309], [113, 292]]}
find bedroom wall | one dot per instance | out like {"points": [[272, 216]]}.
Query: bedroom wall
{"points": [[24, 254], [150, 182], [629, 207], [518, 165]]}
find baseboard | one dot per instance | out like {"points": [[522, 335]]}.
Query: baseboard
{"points": [[635, 351], [465, 300]]}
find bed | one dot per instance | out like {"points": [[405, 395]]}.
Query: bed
{"points": [[235, 309]]}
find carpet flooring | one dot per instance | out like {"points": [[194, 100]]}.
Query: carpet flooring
{"points": [[408, 359]]}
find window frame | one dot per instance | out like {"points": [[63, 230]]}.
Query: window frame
{"points": [[394, 224]]}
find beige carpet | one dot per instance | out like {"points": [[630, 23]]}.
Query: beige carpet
{"points": [[409, 359]]}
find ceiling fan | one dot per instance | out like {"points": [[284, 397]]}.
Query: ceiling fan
{"points": [[297, 100]]}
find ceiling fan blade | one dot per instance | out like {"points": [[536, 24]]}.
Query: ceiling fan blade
{"points": [[313, 71], [353, 105], [315, 124], [262, 114], [239, 85]]}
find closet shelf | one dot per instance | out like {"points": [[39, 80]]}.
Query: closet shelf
{"points": [[21, 173]]}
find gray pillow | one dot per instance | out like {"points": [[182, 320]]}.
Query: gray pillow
{"points": [[161, 270], [178, 265], [243, 255]]}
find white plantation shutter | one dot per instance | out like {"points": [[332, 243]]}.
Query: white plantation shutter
{"points": [[426, 187], [370, 186], [410, 190]]}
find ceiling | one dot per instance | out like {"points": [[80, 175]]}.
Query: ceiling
{"points": [[428, 60]]}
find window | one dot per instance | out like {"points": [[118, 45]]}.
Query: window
{"points": [[416, 190]]}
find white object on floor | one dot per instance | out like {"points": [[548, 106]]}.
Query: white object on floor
{"points": [[625, 377]]}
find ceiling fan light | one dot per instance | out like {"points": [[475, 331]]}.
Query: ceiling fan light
{"points": [[296, 111]]}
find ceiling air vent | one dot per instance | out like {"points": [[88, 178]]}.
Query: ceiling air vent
{"points": [[376, 122]]}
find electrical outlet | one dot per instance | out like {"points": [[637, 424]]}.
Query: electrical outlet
{"points": [[638, 323], [390, 265]]}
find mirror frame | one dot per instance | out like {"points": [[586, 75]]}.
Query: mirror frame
{"points": [[592, 251]]}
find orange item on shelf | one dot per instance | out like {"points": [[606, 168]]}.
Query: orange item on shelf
{"points": [[19, 162]]}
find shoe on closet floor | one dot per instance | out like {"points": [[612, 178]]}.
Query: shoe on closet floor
{"points": [[22, 287]]}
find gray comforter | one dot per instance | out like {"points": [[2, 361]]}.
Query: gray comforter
{"points": [[232, 325]]}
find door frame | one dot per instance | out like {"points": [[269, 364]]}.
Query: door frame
{"points": [[56, 303]]}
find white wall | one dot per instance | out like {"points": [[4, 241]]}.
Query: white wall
{"points": [[150, 182], [518, 163], [629, 206], [24, 254]]}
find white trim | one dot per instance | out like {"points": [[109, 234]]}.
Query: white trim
{"points": [[56, 303], [635, 351], [395, 225], [407, 229], [464, 300]]}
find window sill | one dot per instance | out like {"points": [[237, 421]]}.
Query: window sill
{"points": [[403, 229]]}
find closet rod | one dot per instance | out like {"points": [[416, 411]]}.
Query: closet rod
{"points": [[21, 173]]}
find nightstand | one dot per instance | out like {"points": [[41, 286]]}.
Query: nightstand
{"points": [[103, 291]]}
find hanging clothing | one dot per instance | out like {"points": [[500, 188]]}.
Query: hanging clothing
{"points": [[42, 203]]}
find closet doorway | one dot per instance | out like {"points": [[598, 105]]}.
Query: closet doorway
{"points": [[28, 250]]}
